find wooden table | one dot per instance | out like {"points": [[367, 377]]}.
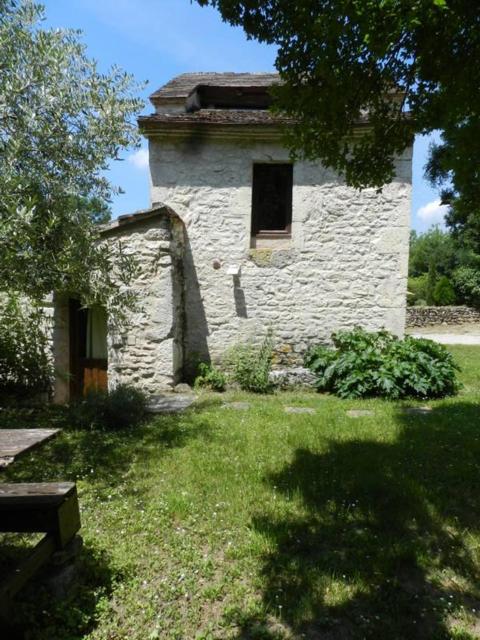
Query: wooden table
{"points": [[46, 507], [14, 442]]}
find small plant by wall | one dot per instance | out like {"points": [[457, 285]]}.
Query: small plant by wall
{"points": [[209, 377], [250, 365]]}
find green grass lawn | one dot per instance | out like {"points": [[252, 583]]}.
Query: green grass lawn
{"points": [[234, 524]]}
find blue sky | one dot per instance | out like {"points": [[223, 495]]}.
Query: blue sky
{"points": [[158, 39]]}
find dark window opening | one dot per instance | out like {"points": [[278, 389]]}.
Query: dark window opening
{"points": [[272, 199], [208, 97]]}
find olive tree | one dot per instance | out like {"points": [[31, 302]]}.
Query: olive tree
{"points": [[61, 122]]}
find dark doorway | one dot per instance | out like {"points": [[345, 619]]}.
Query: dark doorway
{"points": [[88, 349]]}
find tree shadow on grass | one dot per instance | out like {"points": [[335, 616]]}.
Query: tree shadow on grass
{"points": [[41, 615], [104, 460], [103, 456], [379, 547]]}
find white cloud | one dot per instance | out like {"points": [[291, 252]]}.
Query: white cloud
{"points": [[433, 211], [139, 159], [189, 37]]}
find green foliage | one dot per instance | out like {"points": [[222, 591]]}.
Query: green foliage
{"points": [[337, 59], [417, 289], [25, 368], [435, 256], [378, 364], [467, 284], [123, 407], [251, 365], [431, 282], [444, 293], [210, 377], [435, 247], [61, 122]]}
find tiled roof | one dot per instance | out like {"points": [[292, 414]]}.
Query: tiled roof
{"points": [[181, 86]]}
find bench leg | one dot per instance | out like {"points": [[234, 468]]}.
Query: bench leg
{"points": [[25, 570], [68, 521]]}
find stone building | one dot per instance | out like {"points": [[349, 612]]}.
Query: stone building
{"points": [[239, 239]]}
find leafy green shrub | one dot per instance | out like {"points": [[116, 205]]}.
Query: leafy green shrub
{"points": [[210, 377], [25, 367], [417, 289], [251, 365], [444, 293], [467, 285], [367, 364], [122, 407]]}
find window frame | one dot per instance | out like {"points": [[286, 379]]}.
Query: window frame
{"points": [[286, 232]]}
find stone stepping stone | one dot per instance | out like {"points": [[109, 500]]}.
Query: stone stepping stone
{"points": [[359, 413], [298, 410], [417, 411], [237, 406], [170, 403]]}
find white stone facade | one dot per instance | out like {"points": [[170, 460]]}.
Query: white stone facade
{"points": [[206, 284], [345, 264]]}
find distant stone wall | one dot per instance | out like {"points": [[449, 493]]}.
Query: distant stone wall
{"points": [[427, 316], [345, 264]]}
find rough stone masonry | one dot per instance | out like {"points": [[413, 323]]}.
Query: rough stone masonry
{"points": [[343, 262], [344, 265]]}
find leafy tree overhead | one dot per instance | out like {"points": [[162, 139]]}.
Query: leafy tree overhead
{"points": [[412, 64], [61, 122]]}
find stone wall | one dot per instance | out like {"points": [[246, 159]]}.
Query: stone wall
{"points": [[346, 263], [148, 354], [428, 316]]}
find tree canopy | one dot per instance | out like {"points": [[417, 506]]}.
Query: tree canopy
{"points": [[61, 122], [411, 64]]}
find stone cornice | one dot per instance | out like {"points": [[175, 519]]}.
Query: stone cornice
{"points": [[198, 132]]}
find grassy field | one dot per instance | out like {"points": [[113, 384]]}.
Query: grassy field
{"points": [[223, 523]]}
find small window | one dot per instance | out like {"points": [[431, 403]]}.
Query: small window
{"points": [[272, 200]]}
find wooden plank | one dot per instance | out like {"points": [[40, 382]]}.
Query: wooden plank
{"points": [[44, 507], [4, 462], [68, 520], [34, 493], [14, 442], [26, 569]]}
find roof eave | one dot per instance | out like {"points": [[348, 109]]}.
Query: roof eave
{"points": [[137, 217]]}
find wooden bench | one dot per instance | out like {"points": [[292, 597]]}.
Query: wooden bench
{"points": [[46, 507]]}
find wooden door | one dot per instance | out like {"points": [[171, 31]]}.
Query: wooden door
{"points": [[88, 373]]}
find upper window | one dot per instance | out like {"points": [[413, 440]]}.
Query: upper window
{"points": [[272, 199]]}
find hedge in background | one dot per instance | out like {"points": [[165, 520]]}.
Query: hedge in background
{"points": [[378, 364], [467, 284]]}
